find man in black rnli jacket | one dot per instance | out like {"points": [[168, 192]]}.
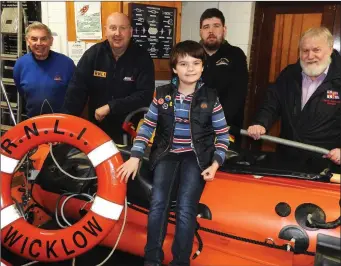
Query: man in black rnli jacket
{"points": [[116, 76], [306, 96], [225, 70]]}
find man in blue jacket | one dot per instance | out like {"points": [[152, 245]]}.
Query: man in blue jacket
{"points": [[42, 76], [306, 96], [115, 76]]}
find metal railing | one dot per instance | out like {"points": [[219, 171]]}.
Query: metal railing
{"points": [[290, 143]]}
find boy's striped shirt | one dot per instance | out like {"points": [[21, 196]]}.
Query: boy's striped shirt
{"points": [[181, 138]]}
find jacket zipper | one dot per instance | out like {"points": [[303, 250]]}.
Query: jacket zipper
{"points": [[171, 137], [190, 129]]}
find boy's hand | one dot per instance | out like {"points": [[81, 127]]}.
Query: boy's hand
{"points": [[209, 172], [130, 167]]}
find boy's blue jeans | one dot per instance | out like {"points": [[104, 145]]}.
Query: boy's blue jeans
{"points": [[191, 184]]}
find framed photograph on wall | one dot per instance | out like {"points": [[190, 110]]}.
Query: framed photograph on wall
{"points": [[153, 28]]}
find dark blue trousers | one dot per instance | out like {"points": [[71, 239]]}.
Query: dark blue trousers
{"points": [[185, 168]]}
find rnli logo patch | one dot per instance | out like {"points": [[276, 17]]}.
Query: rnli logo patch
{"points": [[334, 95], [57, 78], [203, 106], [168, 98], [128, 79], [100, 74], [222, 61]]}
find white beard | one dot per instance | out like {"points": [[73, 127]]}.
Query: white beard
{"points": [[313, 70]]}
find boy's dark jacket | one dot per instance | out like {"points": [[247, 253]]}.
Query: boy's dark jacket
{"points": [[200, 115], [319, 123]]}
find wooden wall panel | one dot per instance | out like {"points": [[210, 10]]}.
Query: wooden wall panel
{"points": [[311, 20], [286, 33], [288, 30], [162, 69], [337, 28], [295, 37]]}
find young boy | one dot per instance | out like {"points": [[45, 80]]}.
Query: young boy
{"points": [[188, 118]]}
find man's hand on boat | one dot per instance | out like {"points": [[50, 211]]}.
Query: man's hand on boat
{"points": [[209, 173], [256, 131], [334, 155], [129, 168]]}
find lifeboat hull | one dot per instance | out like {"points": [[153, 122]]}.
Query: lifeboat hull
{"points": [[245, 226]]}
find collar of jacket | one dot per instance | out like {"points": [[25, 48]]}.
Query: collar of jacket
{"points": [[176, 82], [108, 47]]}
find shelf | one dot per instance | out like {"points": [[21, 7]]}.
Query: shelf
{"points": [[7, 81], [8, 67], [4, 104], [5, 127], [8, 57]]}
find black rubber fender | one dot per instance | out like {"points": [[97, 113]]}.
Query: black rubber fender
{"points": [[295, 232]]}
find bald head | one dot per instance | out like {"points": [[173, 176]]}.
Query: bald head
{"points": [[118, 31], [118, 18]]}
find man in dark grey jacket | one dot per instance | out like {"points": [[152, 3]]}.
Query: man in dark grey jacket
{"points": [[115, 76], [306, 96], [225, 70]]}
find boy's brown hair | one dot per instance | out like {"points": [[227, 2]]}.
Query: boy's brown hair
{"points": [[184, 48]]}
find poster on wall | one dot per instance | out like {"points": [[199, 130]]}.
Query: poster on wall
{"points": [[76, 50], [153, 28], [88, 20]]}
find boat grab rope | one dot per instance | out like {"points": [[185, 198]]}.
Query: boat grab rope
{"points": [[212, 231], [313, 221]]}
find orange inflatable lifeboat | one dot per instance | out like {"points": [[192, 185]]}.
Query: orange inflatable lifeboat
{"points": [[257, 211]]}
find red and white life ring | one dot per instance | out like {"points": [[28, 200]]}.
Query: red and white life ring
{"points": [[55, 245]]}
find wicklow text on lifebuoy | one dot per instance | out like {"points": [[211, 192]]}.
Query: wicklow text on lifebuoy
{"points": [[52, 248]]}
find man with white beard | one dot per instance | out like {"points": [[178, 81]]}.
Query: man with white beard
{"points": [[306, 96]]}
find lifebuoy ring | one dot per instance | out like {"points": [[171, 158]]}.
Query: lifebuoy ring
{"points": [[56, 245]]}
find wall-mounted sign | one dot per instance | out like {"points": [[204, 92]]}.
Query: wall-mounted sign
{"points": [[88, 20], [154, 28]]}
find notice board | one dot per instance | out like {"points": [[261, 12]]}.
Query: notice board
{"points": [[154, 28]]}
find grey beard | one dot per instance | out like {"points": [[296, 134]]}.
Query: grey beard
{"points": [[315, 71]]}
